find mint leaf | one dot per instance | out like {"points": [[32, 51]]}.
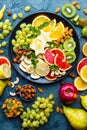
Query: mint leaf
{"points": [[54, 67]]}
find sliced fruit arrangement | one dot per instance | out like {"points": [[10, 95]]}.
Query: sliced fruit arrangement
{"points": [[81, 81], [39, 52]]}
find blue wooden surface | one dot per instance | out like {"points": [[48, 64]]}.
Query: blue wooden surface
{"points": [[56, 121]]}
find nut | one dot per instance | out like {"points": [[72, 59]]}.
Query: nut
{"points": [[85, 11], [74, 3], [78, 6], [40, 90], [57, 109], [9, 13], [1, 51], [57, 10], [27, 92]]}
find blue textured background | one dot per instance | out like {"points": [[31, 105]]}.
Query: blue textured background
{"points": [[56, 121]]}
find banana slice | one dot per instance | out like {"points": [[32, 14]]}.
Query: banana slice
{"points": [[27, 60], [25, 65], [22, 67], [34, 76], [22, 58], [30, 69]]}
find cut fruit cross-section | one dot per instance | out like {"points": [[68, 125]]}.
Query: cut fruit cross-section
{"points": [[63, 65], [83, 73], [57, 32], [80, 84], [82, 63], [37, 21]]}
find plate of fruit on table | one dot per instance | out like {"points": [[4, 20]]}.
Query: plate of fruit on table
{"points": [[44, 48]]}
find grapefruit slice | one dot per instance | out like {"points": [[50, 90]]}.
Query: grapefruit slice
{"points": [[49, 77], [49, 57], [59, 52], [4, 60], [82, 63], [63, 65]]}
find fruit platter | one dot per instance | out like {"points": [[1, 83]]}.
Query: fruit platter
{"points": [[43, 65], [49, 51]]}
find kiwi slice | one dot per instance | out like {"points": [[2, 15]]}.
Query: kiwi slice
{"points": [[68, 10], [69, 45], [70, 56]]}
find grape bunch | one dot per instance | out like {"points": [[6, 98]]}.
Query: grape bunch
{"points": [[5, 28], [39, 114]]}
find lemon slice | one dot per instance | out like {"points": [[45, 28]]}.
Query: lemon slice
{"points": [[40, 20], [42, 68], [80, 84], [57, 32], [83, 73], [5, 71]]}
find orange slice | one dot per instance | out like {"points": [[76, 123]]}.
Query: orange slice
{"points": [[84, 49], [83, 73], [80, 84], [37, 21], [57, 32]]}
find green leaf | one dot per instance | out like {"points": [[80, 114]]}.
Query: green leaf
{"points": [[32, 36], [25, 47], [10, 104], [43, 25], [54, 67], [6, 110]]}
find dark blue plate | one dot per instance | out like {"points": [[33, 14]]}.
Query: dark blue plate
{"points": [[29, 19]]}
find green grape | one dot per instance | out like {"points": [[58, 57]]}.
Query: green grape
{"points": [[23, 33], [20, 15], [28, 123], [24, 119], [23, 25], [1, 36], [10, 28], [27, 8], [28, 25], [37, 116], [5, 27], [24, 114], [5, 32], [38, 98], [41, 122], [14, 16], [21, 116], [17, 45], [13, 42], [42, 100], [27, 109], [49, 105], [41, 114], [26, 30], [24, 124], [0, 45], [33, 113], [51, 110], [47, 110], [47, 114], [51, 96], [34, 106], [4, 43], [7, 22], [1, 24], [37, 109], [35, 123], [31, 117], [52, 102], [44, 118]]}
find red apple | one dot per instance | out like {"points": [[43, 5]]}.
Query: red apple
{"points": [[68, 93]]}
